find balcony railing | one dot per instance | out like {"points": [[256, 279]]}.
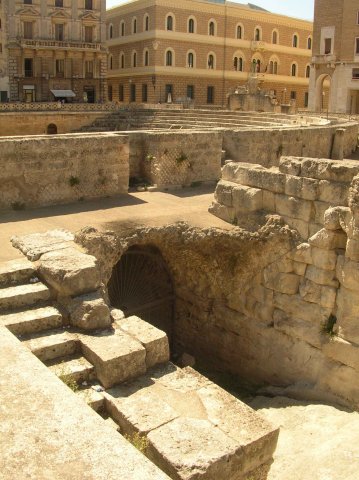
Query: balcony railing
{"points": [[57, 44], [324, 59]]}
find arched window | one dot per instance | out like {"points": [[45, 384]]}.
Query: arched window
{"points": [[169, 23], [309, 43], [122, 60], [146, 25], [110, 62], [239, 32], [294, 70], [210, 61], [211, 28], [257, 34], [110, 31], [190, 60], [146, 58], [307, 71], [275, 68], [134, 59], [169, 58], [271, 67], [295, 41], [134, 25], [191, 25], [51, 129], [122, 28], [238, 64], [274, 37]]}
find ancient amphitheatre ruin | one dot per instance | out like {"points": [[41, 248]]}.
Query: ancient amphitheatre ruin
{"points": [[208, 315]]}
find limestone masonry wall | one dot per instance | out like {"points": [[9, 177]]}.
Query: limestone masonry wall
{"points": [[36, 171], [308, 296], [266, 146]]}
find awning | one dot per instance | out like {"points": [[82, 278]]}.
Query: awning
{"points": [[63, 93]]}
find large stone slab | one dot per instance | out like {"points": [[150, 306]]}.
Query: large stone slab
{"points": [[70, 272], [89, 311], [116, 357], [195, 429], [16, 271], [36, 244], [153, 339]]}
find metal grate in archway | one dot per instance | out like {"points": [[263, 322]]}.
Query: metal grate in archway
{"points": [[141, 285]]}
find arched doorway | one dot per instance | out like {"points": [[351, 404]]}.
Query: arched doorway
{"points": [[322, 93], [51, 129], [141, 285]]}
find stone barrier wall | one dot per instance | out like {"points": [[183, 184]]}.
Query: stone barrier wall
{"points": [[308, 296], [38, 171], [266, 146]]}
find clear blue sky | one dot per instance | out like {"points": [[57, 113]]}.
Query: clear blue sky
{"points": [[293, 8]]}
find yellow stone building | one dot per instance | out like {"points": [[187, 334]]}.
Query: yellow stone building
{"points": [[55, 49], [336, 55], [198, 49]]}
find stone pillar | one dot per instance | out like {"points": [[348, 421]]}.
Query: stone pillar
{"points": [[338, 144]]}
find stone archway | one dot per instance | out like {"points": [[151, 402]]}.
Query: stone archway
{"points": [[141, 285], [322, 95], [51, 129]]}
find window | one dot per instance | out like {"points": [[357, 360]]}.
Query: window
{"points": [[0, 47], [239, 32], [274, 37], [146, 58], [89, 69], [121, 94], [110, 62], [132, 92], [190, 92], [210, 94], [28, 2], [357, 46], [122, 60], [147, 23], [59, 3], [59, 32], [144, 92], [169, 58], [355, 73], [306, 99], [191, 25], [210, 62], [88, 5], [358, 18], [134, 25], [257, 34], [109, 92], [110, 31], [88, 34], [294, 70], [309, 43], [169, 93], [122, 28], [134, 59], [238, 64], [28, 67], [169, 23], [327, 46], [275, 68], [190, 60], [295, 41], [28, 30], [211, 28], [293, 95], [307, 71], [60, 68]]}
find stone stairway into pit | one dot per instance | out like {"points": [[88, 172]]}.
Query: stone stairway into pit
{"points": [[190, 427]]}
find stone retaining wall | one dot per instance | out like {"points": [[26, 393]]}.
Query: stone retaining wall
{"points": [[266, 146], [37, 171]]}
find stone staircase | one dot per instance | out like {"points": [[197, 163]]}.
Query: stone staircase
{"points": [[190, 427]]}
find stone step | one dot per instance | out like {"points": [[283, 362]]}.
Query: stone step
{"points": [[31, 321], [13, 298], [15, 272], [193, 427], [74, 368], [93, 398], [55, 344]]}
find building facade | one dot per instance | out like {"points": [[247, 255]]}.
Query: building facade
{"points": [[55, 49], [336, 55], [203, 50]]}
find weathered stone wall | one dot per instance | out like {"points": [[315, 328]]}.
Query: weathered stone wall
{"points": [[37, 171], [266, 146]]}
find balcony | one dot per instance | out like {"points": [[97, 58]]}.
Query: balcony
{"points": [[51, 44], [324, 59]]}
